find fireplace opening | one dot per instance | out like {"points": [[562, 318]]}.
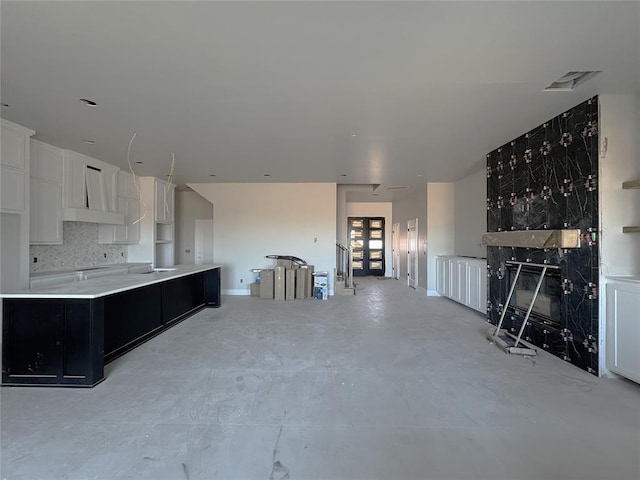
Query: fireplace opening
{"points": [[546, 308]]}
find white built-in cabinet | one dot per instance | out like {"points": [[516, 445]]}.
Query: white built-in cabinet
{"points": [[46, 194], [464, 280], [623, 326], [157, 225], [127, 203], [14, 205]]}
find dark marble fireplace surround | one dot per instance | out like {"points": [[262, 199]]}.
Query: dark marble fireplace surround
{"points": [[547, 179]]}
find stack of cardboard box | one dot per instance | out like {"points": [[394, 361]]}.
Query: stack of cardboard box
{"points": [[287, 281]]}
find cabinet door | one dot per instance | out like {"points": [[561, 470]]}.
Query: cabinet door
{"points": [[12, 194], [12, 149], [442, 276], [133, 215], [46, 162], [159, 206], [46, 212], [74, 181], [623, 330], [32, 341], [120, 231], [461, 291], [163, 202], [473, 293]]}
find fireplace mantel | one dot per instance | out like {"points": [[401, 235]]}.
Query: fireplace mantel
{"points": [[565, 238]]}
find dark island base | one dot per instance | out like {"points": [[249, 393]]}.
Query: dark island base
{"points": [[67, 342]]}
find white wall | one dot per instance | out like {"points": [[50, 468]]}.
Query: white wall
{"points": [[377, 209], [440, 227], [252, 220], [411, 206], [189, 207], [471, 215]]}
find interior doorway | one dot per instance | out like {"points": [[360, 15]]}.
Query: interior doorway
{"points": [[366, 235], [395, 250], [412, 253], [204, 242]]}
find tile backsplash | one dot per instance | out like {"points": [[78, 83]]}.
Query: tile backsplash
{"points": [[80, 249]]}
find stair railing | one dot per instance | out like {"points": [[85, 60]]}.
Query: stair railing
{"points": [[344, 268]]}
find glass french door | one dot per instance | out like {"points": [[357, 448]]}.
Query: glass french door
{"points": [[367, 241]]}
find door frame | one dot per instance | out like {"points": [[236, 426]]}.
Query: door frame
{"points": [[395, 251], [414, 222]]}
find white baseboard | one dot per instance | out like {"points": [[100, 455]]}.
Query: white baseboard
{"points": [[432, 293], [235, 291]]}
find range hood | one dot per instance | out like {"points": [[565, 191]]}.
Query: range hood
{"points": [[92, 216], [533, 239]]}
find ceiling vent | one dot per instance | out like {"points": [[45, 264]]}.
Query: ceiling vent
{"points": [[570, 80]]}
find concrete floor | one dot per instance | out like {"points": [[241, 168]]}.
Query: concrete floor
{"points": [[389, 384]]}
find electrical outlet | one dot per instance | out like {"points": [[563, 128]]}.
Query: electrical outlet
{"points": [[35, 259], [105, 255], [241, 280], [122, 254]]}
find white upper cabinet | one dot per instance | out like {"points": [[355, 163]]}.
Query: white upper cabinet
{"points": [[128, 204], [46, 194], [14, 180], [164, 197]]}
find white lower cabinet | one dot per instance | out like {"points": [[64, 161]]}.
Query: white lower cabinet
{"points": [[623, 327], [464, 280]]}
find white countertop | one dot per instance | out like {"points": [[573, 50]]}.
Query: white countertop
{"points": [[101, 287]]}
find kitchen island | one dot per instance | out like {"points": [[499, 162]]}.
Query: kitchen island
{"points": [[64, 335]]}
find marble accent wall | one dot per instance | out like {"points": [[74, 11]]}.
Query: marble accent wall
{"points": [[547, 179], [80, 249]]}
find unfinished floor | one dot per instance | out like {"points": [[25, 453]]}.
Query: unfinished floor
{"points": [[389, 384]]}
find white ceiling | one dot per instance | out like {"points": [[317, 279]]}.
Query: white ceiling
{"points": [[244, 89]]}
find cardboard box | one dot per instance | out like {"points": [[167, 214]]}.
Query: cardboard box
{"points": [[301, 282], [279, 283], [290, 284], [266, 284], [310, 269], [285, 263], [255, 289]]}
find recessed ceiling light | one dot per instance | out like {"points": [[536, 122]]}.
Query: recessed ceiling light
{"points": [[343, 174], [90, 142], [212, 175], [375, 194], [5, 105], [397, 187], [139, 162], [267, 175], [354, 134], [88, 103], [571, 80], [420, 175]]}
